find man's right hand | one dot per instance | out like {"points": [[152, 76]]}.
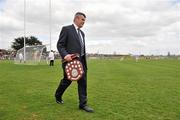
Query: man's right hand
{"points": [[68, 57]]}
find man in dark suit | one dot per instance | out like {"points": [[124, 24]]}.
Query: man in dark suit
{"points": [[71, 41]]}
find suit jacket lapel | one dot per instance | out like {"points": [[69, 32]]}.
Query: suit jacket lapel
{"points": [[75, 33]]}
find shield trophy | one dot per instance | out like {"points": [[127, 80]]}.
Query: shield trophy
{"points": [[74, 68]]}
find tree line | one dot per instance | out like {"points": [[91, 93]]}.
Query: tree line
{"points": [[18, 43]]}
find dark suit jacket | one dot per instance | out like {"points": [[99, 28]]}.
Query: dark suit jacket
{"points": [[69, 43]]}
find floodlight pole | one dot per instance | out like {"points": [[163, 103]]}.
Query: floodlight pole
{"points": [[50, 23], [24, 30]]}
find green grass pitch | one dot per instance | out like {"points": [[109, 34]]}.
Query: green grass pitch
{"points": [[117, 90]]}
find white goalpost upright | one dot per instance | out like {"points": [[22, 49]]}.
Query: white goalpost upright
{"points": [[50, 23], [24, 30]]}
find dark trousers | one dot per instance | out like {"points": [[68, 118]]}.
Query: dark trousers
{"points": [[82, 85], [51, 63]]}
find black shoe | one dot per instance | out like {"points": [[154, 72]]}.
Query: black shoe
{"points": [[87, 109], [59, 101]]}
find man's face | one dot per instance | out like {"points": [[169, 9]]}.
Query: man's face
{"points": [[80, 20]]}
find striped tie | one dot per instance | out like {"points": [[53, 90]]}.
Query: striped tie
{"points": [[81, 42]]}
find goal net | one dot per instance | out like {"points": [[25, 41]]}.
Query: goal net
{"points": [[33, 55]]}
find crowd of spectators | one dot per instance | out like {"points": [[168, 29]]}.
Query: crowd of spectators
{"points": [[7, 54]]}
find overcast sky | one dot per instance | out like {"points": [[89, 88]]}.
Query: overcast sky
{"points": [[121, 26]]}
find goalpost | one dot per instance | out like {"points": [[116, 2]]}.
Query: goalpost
{"points": [[23, 53], [34, 55]]}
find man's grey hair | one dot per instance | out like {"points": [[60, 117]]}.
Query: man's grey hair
{"points": [[78, 14]]}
